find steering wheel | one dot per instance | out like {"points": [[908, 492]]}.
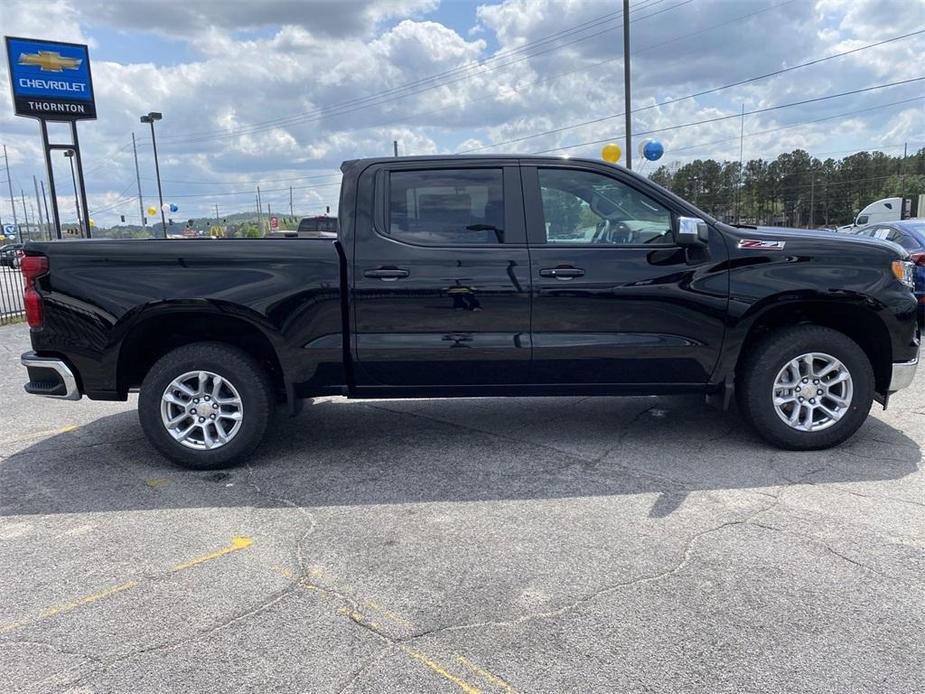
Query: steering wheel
{"points": [[615, 233]]}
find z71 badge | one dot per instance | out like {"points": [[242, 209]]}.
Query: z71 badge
{"points": [[759, 245]]}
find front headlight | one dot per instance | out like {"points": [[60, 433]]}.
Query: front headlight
{"points": [[904, 271]]}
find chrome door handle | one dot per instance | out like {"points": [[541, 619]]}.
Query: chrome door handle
{"points": [[562, 273], [387, 274]]}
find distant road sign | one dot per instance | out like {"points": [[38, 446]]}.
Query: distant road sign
{"points": [[9, 230], [50, 79]]}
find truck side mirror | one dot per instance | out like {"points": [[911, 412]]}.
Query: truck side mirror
{"points": [[692, 231]]}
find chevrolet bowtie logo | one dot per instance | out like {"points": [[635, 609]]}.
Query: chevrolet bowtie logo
{"points": [[49, 61]]}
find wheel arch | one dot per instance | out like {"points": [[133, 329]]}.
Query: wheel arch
{"points": [[157, 331], [853, 319]]}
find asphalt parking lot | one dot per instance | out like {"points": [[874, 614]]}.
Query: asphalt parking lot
{"points": [[481, 545]]}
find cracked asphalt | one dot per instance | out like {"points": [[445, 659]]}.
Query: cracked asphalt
{"points": [[478, 545]]}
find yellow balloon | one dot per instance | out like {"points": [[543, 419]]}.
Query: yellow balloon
{"points": [[611, 153], [152, 211]]}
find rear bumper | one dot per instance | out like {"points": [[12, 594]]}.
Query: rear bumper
{"points": [[903, 374], [50, 377]]}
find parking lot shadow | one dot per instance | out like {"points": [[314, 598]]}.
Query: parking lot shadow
{"points": [[391, 452]]}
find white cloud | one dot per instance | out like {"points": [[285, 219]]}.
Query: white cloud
{"points": [[278, 90]]}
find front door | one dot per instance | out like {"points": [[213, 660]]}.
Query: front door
{"points": [[442, 282], [615, 300]]}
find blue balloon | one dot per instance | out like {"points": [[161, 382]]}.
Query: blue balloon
{"points": [[174, 208], [653, 150]]}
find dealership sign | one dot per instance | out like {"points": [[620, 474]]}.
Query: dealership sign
{"points": [[50, 80]]}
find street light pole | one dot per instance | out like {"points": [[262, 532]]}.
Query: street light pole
{"points": [[150, 118], [69, 153]]}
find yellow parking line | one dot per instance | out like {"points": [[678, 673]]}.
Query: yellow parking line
{"points": [[237, 543], [485, 674], [39, 434], [362, 619], [157, 483], [388, 614], [442, 671], [68, 606]]}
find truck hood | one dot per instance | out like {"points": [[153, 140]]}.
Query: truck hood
{"points": [[798, 239]]}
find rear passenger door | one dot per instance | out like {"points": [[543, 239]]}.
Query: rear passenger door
{"points": [[441, 292]]}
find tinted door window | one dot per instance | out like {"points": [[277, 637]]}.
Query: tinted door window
{"points": [[447, 207], [432, 304], [904, 240], [582, 207]]}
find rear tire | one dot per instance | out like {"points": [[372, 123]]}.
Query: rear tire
{"points": [[783, 368], [233, 405]]}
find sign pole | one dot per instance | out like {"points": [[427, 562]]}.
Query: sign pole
{"points": [[80, 176], [56, 219], [51, 80]]}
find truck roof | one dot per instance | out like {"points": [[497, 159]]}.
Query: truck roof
{"points": [[366, 161]]}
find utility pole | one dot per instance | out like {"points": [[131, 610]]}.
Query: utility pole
{"points": [[45, 200], [291, 214], [38, 205], [259, 212], [141, 204], [216, 214], [902, 179], [10, 182], [25, 213], [741, 172], [151, 118], [825, 192], [626, 84], [395, 147], [812, 201]]}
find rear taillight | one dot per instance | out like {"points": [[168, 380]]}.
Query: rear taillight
{"points": [[33, 267], [918, 259]]}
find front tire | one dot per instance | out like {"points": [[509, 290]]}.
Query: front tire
{"points": [[806, 388], [205, 405]]}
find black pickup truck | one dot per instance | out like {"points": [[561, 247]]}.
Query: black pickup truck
{"points": [[476, 276]]}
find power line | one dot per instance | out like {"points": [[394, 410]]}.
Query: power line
{"points": [[436, 76], [251, 192], [252, 181], [704, 92], [554, 77], [854, 112], [338, 110], [738, 115]]}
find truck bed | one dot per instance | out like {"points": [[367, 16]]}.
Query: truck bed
{"points": [[98, 295]]}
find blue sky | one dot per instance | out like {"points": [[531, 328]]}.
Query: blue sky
{"points": [[277, 93]]}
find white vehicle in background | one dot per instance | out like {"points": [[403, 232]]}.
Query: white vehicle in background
{"points": [[886, 210]]}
